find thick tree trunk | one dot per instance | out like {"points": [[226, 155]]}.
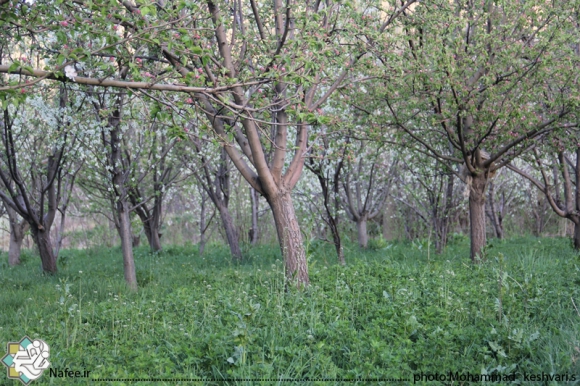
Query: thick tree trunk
{"points": [[363, 237], [231, 232], [126, 244], [152, 233], [477, 215], [17, 231], [290, 238], [47, 257]]}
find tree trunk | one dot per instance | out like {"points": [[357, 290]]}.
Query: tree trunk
{"points": [[47, 257], [337, 240], [363, 237], [290, 238], [254, 229], [17, 231], [477, 215], [18, 228], [136, 240], [152, 233], [60, 235], [126, 244], [493, 213], [577, 234], [231, 232]]}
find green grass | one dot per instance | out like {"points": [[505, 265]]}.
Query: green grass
{"points": [[394, 311]]}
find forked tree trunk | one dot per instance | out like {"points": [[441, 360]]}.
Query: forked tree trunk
{"points": [[47, 257], [152, 233], [126, 243], [477, 215], [17, 231], [290, 238], [361, 227], [231, 233]]}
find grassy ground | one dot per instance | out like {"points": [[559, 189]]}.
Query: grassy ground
{"points": [[395, 311]]}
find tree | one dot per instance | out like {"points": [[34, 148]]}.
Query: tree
{"points": [[274, 68], [35, 163], [18, 228], [562, 190], [479, 84], [214, 179], [366, 182], [429, 190], [326, 164]]}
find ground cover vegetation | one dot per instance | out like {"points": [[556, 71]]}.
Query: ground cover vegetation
{"points": [[391, 313]]}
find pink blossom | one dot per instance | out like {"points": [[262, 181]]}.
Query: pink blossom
{"points": [[112, 59], [64, 23], [189, 100], [186, 129]]}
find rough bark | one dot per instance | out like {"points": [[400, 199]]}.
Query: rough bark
{"points": [[477, 216], [126, 243], [150, 216], [47, 257], [361, 227], [290, 238], [151, 228]]}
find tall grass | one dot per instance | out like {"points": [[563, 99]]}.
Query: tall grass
{"points": [[391, 312]]}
